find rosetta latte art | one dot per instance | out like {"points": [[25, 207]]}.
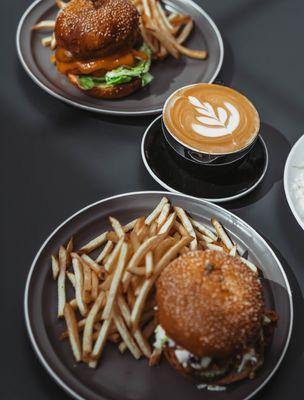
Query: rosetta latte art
{"points": [[211, 118], [215, 122]]}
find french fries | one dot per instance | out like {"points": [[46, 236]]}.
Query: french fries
{"points": [[94, 243], [114, 291], [70, 319], [87, 341], [61, 280], [187, 225], [55, 267], [115, 281], [165, 33]]}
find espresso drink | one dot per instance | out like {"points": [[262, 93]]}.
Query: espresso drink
{"points": [[211, 119]]}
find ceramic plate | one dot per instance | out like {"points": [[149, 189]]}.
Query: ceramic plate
{"points": [[120, 377], [293, 175], [169, 75]]}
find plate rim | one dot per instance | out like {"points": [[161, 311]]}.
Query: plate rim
{"points": [[104, 111], [287, 192], [220, 199], [35, 346]]}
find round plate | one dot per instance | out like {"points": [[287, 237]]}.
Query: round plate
{"points": [[120, 376], [169, 74], [293, 167], [165, 170]]}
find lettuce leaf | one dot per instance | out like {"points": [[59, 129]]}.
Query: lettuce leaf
{"points": [[120, 75]]}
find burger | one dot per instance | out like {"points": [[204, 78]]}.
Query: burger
{"points": [[97, 47], [213, 325]]}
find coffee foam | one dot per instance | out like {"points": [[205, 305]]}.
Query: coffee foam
{"points": [[211, 118]]}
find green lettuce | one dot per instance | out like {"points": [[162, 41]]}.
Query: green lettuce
{"points": [[120, 75]]}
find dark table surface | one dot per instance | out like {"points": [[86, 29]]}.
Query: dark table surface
{"points": [[56, 159]]}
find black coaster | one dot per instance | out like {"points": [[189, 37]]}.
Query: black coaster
{"points": [[164, 167]]}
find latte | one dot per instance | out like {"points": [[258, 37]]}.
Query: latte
{"points": [[211, 119]]}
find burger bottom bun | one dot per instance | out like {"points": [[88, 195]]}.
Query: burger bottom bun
{"points": [[230, 377], [111, 92]]}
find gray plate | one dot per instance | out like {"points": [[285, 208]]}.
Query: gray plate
{"points": [[121, 377], [169, 74]]}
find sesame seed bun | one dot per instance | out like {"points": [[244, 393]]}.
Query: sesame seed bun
{"points": [[111, 92], [210, 304], [91, 29]]}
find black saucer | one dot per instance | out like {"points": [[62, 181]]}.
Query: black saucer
{"points": [[163, 166]]}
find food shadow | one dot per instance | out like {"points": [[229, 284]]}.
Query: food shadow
{"points": [[278, 149]]}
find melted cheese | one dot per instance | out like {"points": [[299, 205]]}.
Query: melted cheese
{"points": [[66, 64]]}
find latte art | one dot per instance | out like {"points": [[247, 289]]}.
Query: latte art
{"points": [[210, 118], [215, 123]]}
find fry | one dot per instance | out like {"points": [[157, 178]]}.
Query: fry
{"points": [[135, 241], [155, 357], [55, 266], [187, 225], [143, 233], [126, 336], [61, 280], [46, 41], [154, 214], [45, 25], [124, 309], [168, 224], [149, 264], [117, 227], [130, 225], [163, 247], [94, 243], [149, 328], [212, 246], [203, 237], [115, 282], [53, 42], [203, 229], [146, 7], [71, 277], [222, 234], [184, 34], [233, 251], [163, 215], [87, 283], [164, 261], [163, 16], [113, 256], [95, 288], [142, 250], [153, 229], [106, 250], [80, 326], [78, 273], [91, 264], [249, 264], [101, 339], [164, 39], [87, 341], [72, 328], [140, 339], [180, 228]]}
